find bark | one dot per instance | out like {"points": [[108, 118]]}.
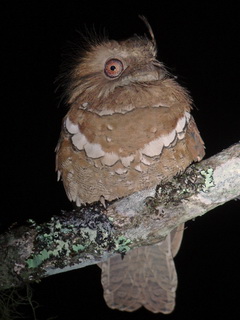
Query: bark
{"points": [[93, 233]]}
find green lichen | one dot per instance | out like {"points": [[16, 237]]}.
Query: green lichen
{"points": [[32, 222], [67, 238], [122, 244], [45, 254], [51, 239], [78, 247], [38, 259], [209, 182]]}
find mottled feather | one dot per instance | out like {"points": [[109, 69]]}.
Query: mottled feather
{"points": [[128, 128]]}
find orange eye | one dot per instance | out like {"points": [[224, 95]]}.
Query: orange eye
{"points": [[113, 68]]}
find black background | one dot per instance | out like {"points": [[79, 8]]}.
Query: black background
{"points": [[199, 42]]}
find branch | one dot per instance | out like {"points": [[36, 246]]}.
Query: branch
{"points": [[93, 233]]}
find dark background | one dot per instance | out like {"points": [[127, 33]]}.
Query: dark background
{"points": [[199, 42]]}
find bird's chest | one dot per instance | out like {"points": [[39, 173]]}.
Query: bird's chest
{"points": [[118, 154], [123, 133]]}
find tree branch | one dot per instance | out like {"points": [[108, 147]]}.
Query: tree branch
{"points": [[93, 233]]}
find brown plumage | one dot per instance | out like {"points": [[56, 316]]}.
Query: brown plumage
{"points": [[128, 128]]}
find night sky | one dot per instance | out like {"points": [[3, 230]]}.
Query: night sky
{"points": [[199, 43]]}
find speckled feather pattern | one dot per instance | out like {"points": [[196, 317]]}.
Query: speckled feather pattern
{"points": [[120, 153]]}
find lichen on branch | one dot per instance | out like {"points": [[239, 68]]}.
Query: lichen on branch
{"points": [[94, 233]]}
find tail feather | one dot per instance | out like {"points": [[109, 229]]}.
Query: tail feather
{"points": [[145, 277]]}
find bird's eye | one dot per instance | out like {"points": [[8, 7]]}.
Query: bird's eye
{"points": [[113, 68]]}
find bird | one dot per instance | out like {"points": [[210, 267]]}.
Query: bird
{"points": [[128, 128]]}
